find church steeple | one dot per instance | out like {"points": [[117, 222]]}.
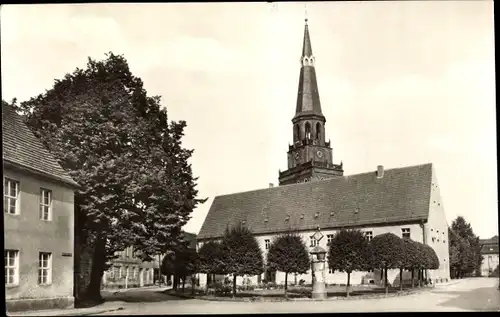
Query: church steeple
{"points": [[310, 155], [308, 96]]}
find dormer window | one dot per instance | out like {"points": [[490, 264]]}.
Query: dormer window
{"points": [[266, 219], [356, 210], [287, 218], [316, 215], [302, 216], [332, 214]]}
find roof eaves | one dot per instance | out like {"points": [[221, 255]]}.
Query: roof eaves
{"points": [[18, 165]]}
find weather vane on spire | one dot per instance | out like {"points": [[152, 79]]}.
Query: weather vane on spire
{"points": [[305, 10]]}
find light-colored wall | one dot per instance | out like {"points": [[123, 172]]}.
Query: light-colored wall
{"points": [[30, 235], [436, 231], [490, 262]]}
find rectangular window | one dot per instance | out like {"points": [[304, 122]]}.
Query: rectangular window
{"points": [[369, 235], [44, 268], [329, 239], [45, 204], [314, 242], [11, 267], [268, 244], [406, 233], [10, 196]]}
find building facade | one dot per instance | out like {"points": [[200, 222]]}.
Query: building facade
{"points": [[315, 196], [38, 221], [127, 270], [489, 251]]}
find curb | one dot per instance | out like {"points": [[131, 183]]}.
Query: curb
{"points": [[66, 312], [282, 299]]}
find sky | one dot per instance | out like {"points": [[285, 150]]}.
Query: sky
{"points": [[401, 83]]}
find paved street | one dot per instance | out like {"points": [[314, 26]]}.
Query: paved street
{"points": [[474, 294]]}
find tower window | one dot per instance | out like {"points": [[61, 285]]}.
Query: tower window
{"points": [[318, 131], [308, 130], [297, 132]]}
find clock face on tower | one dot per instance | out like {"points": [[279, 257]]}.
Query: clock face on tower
{"points": [[297, 155], [319, 154]]}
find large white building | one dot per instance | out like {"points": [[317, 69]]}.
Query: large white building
{"points": [[314, 193]]}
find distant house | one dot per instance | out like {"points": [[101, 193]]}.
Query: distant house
{"points": [[38, 221], [128, 270], [489, 250]]}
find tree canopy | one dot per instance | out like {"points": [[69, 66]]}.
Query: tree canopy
{"points": [[116, 142], [210, 257], [288, 253]]}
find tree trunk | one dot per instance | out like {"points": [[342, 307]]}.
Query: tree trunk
{"points": [[93, 292], [159, 270], [400, 279], [193, 282], [412, 278], [183, 283], [385, 281], [286, 284], [206, 283], [348, 286], [176, 282], [419, 278], [234, 285]]}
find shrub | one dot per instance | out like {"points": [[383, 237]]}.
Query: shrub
{"points": [[302, 282]]}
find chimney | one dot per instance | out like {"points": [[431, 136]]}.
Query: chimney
{"points": [[380, 171], [271, 185]]}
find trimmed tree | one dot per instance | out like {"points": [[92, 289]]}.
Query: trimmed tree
{"points": [[386, 253], [411, 261], [288, 254], [209, 257], [422, 261], [241, 254], [431, 259], [348, 252]]}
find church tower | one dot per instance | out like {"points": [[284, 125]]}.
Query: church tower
{"points": [[310, 155]]}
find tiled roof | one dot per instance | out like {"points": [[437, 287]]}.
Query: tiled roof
{"points": [[22, 148], [489, 246], [402, 194]]}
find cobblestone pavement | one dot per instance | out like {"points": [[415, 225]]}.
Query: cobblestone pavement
{"points": [[475, 294]]}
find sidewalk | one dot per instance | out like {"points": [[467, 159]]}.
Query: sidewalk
{"points": [[102, 308]]}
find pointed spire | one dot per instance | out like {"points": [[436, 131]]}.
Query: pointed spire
{"points": [[306, 47], [308, 95]]}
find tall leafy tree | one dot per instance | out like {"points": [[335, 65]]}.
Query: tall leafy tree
{"points": [[210, 258], [348, 252], [464, 248], [387, 253], [117, 143], [288, 254], [241, 254]]}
